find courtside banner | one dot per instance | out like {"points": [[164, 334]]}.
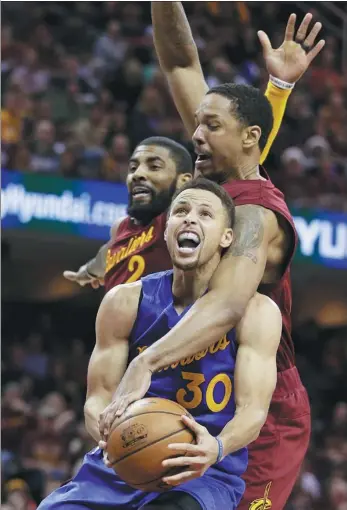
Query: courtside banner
{"points": [[57, 205], [322, 237], [89, 208]]}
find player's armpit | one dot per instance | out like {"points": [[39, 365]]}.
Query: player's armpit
{"points": [[114, 322], [258, 335], [278, 99], [179, 59]]}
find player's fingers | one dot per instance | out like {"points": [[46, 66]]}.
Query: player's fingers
{"points": [[290, 28], [265, 42], [101, 281], [187, 447], [181, 477], [94, 284], [70, 275], [193, 425], [121, 408], [317, 49], [302, 30], [102, 445], [183, 461], [310, 39]]}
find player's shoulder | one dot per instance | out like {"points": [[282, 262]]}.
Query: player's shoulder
{"points": [[122, 296], [264, 304], [118, 225]]}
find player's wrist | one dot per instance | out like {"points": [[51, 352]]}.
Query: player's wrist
{"points": [[220, 453], [281, 84]]}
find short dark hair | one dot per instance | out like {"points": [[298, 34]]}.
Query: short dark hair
{"points": [[182, 158], [207, 185], [249, 105]]}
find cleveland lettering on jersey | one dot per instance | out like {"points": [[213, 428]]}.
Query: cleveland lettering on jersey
{"points": [[135, 243], [221, 345]]}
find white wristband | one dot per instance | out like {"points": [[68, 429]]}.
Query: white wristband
{"points": [[281, 84]]}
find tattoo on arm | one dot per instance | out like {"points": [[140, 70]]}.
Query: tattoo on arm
{"points": [[248, 232], [172, 34]]}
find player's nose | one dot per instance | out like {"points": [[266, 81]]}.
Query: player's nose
{"points": [[140, 174], [198, 137]]}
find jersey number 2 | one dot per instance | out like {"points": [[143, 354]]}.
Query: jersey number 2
{"points": [[193, 386], [136, 266]]}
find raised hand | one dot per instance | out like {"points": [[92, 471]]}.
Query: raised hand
{"points": [[290, 61]]}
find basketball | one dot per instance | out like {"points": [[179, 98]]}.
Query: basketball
{"points": [[138, 441]]}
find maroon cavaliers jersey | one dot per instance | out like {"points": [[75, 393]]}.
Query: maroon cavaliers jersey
{"points": [[137, 251], [265, 194]]}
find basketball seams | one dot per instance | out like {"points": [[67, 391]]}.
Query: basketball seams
{"points": [[149, 412], [149, 444], [158, 441]]}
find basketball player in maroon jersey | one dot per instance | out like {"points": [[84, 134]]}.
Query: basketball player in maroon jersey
{"points": [[157, 167], [230, 125]]}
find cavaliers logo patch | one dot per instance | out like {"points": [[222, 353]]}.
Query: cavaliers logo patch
{"points": [[263, 503], [133, 434]]}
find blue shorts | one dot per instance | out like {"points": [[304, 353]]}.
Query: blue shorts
{"points": [[96, 487]]}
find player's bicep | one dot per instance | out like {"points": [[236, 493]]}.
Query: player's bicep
{"points": [[241, 269], [188, 88], [258, 335], [114, 322]]}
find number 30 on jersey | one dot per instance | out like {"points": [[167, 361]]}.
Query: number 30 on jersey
{"points": [[193, 397]]}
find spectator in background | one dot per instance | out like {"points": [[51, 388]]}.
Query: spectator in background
{"points": [[116, 161], [30, 77], [110, 49], [44, 150]]}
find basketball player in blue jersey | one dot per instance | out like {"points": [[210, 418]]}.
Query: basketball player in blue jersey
{"points": [[227, 388]]}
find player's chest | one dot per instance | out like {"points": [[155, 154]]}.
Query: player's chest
{"points": [[137, 255]]}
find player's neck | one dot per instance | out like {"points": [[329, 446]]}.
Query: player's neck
{"points": [[245, 172], [189, 286]]}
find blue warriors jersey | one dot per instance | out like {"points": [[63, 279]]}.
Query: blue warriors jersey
{"points": [[203, 384]]}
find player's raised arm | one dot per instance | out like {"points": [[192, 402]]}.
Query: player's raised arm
{"points": [[179, 59], [258, 336], [93, 271], [286, 65], [114, 322]]}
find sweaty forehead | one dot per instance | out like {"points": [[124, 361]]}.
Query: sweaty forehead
{"points": [[143, 152], [214, 105], [199, 197]]}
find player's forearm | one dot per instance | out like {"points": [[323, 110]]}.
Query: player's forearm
{"points": [[173, 38], [278, 99], [242, 429], [205, 323], [97, 265], [93, 407]]}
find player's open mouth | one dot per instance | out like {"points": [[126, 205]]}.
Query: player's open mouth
{"points": [[202, 160], [188, 242], [139, 192]]}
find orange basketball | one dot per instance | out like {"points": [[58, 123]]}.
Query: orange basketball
{"points": [[138, 442]]}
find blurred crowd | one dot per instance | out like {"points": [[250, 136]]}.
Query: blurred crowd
{"points": [[81, 87], [44, 366]]}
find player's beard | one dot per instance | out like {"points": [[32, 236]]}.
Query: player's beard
{"points": [[160, 202]]}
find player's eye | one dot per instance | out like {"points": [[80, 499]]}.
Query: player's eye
{"points": [[213, 127], [131, 169], [181, 210], [206, 213]]}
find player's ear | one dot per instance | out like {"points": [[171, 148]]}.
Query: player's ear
{"points": [[165, 233], [183, 179], [251, 136], [227, 238]]}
